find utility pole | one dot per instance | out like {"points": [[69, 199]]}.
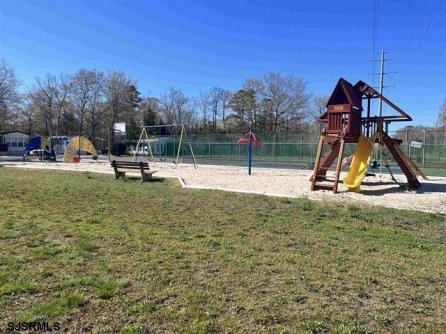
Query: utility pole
{"points": [[381, 83], [381, 74], [381, 87]]}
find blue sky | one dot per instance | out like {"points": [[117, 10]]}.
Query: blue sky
{"points": [[193, 45]]}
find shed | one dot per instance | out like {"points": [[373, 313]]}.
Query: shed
{"points": [[14, 141]]}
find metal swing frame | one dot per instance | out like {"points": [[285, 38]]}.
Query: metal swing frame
{"points": [[145, 132]]}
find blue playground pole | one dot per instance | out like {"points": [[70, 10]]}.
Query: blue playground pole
{"points": [[250, 153]]}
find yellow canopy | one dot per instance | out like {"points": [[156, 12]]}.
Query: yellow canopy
{"points": [[78, 143]]}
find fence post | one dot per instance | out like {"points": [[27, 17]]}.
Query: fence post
{"points": [[229, 145], [174, 145], [209, 149], [407, 143], [274, 149], [228, 138], [301, 147]]}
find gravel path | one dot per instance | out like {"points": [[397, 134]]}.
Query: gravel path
{"points": [[378, 190]]}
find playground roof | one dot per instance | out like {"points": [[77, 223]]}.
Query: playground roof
{"points": [[345, 93], [370, 92]]}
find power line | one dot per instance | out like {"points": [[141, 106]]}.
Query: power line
{"points": [[400, 31], [423, 37], [414, 27], [374, 32]]}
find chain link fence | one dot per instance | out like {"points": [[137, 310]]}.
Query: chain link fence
{"points": [[285, 150], [293, 150]]}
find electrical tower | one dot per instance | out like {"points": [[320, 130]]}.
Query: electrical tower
{"points": [[381, 74], [381, 87]]}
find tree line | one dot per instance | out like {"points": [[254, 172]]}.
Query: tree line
{"points": [[89, 101]]}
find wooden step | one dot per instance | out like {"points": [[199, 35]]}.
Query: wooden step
{"points": [[324, 186]]}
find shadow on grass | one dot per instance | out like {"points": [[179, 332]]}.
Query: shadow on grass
{"points": [[153, 180]]}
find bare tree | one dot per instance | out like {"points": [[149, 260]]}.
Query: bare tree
{"points": [[89, 102], [257, 89], [116, 89], [27, 115], [225, 98], [63, 86], [9, 97], [43, 96], [150, 111], [176, 107], [442, 115], [204, 104], [218, 99], [284, 96], [316, 107], [81, 96], [243, 102], [96, 106]]}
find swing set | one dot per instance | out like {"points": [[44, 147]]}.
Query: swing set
{"points": [[184, 139]]}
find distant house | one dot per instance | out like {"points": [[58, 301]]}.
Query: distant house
{"points": [[13, 142], [158, 146]]}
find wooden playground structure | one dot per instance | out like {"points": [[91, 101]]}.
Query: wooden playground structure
{"points": [[343, 124]]}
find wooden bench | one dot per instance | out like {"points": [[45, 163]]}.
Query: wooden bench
{"points": [[119, 166]]}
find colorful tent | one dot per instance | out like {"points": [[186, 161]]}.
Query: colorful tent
{"points": [[76, 145]]}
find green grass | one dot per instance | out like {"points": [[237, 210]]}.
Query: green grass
{"points": [[435, 171], [108, 256]]}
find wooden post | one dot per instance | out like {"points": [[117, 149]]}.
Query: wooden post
{"points": [[339, 165], [190, 145], [137, 145], [192, 152], [109, 142], [174, 144], [367, 125], [149, 147], [179, 147], [250, 153], [317, 162], [193, 155], [407, 144]]}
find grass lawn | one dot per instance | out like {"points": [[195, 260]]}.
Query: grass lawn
{"points": [[435, 171], [107, 256]]}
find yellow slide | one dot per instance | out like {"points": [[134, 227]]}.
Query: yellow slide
{"points": [[360, 164]]}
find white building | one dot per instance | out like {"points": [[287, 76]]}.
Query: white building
{"points": [[158, 146], [13, 142]]}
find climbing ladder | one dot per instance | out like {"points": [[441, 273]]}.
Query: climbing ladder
{"points": [[336, 149]]}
